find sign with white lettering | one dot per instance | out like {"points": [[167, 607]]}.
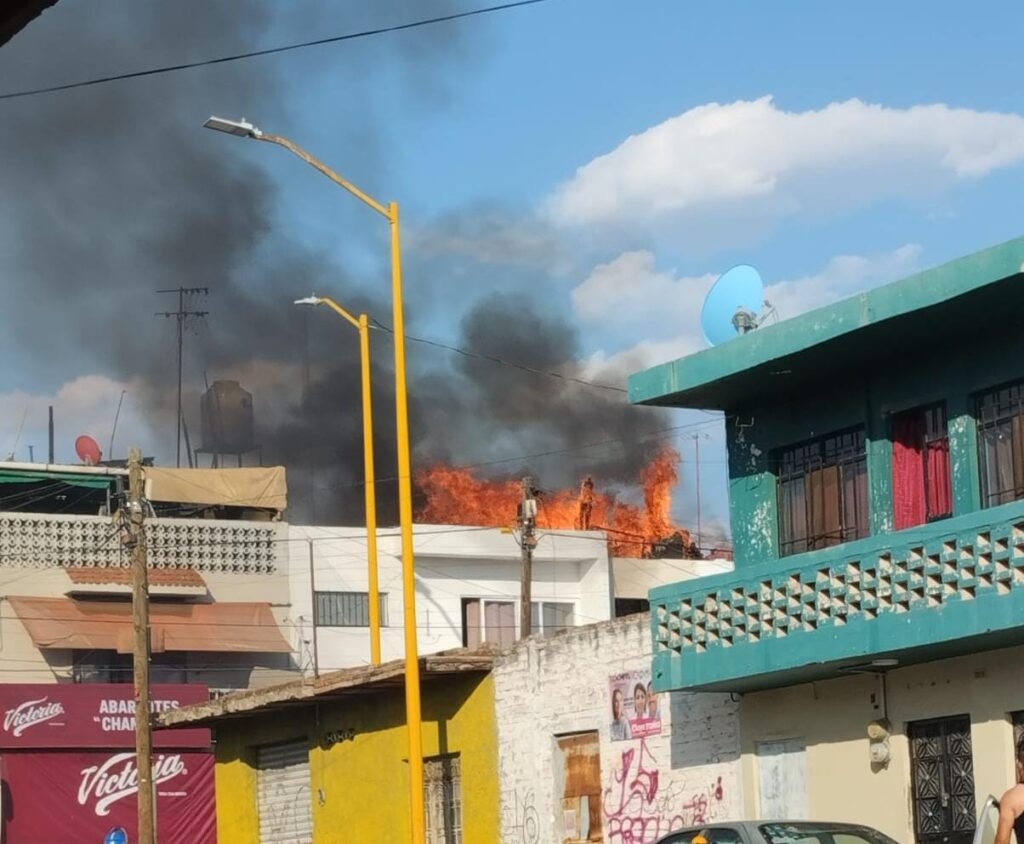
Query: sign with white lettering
{"points": [[73, 796], [89, 715]]}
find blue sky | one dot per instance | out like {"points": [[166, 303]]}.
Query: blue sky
{"points": [[839, 181]]}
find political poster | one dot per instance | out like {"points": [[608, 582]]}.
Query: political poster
{"points": [[634, 707]]}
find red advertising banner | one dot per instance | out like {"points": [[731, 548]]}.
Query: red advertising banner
{"points": [[87, 715], [51, 797]]}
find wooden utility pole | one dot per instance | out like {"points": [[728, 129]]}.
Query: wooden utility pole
{"points": [[140, 628], [527, 526]]}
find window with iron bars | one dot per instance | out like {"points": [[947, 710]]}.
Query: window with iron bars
{"points": [[348, 609], [442, 793], [822, 492], [1000, 417]]}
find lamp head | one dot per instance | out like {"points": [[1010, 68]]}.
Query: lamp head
{"points": [[242, 128], [309, 300]]}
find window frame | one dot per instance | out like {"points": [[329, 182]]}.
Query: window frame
{"points": [[789, 466], [932, 413], [537, 624], [443, 772], [483, 602], [982, 426], [341, 594]]}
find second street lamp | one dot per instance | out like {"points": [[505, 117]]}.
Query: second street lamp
{"points": [[412, 664], [362, 324]]}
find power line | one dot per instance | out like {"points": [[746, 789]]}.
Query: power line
{"points": [[350, 36], [495, 359]]}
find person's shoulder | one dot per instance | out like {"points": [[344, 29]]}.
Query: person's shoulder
{"points": [[1014, 798]]}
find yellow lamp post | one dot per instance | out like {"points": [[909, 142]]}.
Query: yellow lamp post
{"points": [[412, 666], [362, 325]]}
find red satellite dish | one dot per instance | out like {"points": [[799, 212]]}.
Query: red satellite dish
{"points": [[88, 450]]}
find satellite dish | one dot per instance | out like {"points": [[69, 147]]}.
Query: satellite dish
{"points": [[88, 450], [733, 305]]}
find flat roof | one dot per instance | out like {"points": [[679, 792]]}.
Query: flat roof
{"points": [[362, 679], [845, 334]]}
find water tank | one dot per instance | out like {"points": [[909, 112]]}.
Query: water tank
{"points": [[227, 419]]}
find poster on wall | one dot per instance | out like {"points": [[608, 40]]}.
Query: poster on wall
{"points": [[635, 708]]}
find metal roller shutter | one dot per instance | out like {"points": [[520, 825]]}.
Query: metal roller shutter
{"points": [[285, 805]]}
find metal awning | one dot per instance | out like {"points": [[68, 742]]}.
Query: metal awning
{"points": [[66, 623]]}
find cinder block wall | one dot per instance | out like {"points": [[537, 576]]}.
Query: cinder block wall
{"points": [[546, 688]]}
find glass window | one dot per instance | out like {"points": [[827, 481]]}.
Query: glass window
{"points": [[815, 833], [348, 609], [107, 666], [1000, 416], [547, 617], [823, 492]]}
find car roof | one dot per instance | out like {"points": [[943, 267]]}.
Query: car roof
{"points": [[753, 826]]}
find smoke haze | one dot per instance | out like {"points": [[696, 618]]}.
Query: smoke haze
{"points": [[113, 192]]}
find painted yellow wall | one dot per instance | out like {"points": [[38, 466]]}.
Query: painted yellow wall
{"points": [[832, 718], [360, 786]]}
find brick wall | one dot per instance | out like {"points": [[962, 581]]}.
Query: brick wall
{"points": [[546, 688]]}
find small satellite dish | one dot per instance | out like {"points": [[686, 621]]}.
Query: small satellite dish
{"points": [[734, 305], [88, 450]]}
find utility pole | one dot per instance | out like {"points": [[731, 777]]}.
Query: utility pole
{"points": [[182, 315], [140, 629], [696, 463], [527, 542]]}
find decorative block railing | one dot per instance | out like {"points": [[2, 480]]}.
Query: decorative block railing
{"points": [[30, 540], [801, 609]]}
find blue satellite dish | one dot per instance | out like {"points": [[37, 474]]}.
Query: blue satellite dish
{"points": [[740, 287]]}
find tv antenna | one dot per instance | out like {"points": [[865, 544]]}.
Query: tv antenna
{"points": [[735, 305], [185, 315]]}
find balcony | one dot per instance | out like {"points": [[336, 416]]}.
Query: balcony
{"points": [[919, 594], [29, 540]]}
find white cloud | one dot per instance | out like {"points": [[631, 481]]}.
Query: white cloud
{"points": [[85, 405], [632, 283], [630, 296], [842, 276], [768, 164]]}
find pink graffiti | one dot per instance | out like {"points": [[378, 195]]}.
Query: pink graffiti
{"points": [[638, 810]]}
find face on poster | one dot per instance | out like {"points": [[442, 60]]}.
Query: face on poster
{"points": [[634, 707]]}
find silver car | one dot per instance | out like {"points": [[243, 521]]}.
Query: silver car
{"points": [[777, 832]]}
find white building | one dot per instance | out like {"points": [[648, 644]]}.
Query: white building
{"points": [[468, 586], [219, 609], [467, 579]]}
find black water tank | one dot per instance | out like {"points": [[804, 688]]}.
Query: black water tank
{"points": [[227, 419]]}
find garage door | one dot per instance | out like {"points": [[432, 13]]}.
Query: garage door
{"points": [[286, 810]]}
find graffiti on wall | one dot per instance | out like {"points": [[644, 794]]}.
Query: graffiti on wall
{"points": [[639, 808], [520, 821]]}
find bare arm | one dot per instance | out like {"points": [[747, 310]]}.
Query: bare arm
{"points": [[1007, 815]]}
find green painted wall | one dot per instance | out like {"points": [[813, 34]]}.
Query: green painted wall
{"points": [[937, 590], [953, 374]]}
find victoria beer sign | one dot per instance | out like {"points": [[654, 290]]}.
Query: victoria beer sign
{"points": [[69, 773]]}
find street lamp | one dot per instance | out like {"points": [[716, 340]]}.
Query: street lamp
{"points": [[412, 665], [362, 324]]}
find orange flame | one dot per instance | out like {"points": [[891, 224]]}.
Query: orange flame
{"points": [[456, 496]]}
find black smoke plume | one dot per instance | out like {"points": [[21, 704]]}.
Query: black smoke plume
{"points": [[113, 192]]}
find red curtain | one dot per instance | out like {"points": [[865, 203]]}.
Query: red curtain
{"points": [[940, 492], [908, 470]]}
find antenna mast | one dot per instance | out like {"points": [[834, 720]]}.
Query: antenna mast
{"points": [[182, 315]]}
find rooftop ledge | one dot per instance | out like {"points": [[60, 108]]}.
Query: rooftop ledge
{"points": [[845, 333], [916, 595]]}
